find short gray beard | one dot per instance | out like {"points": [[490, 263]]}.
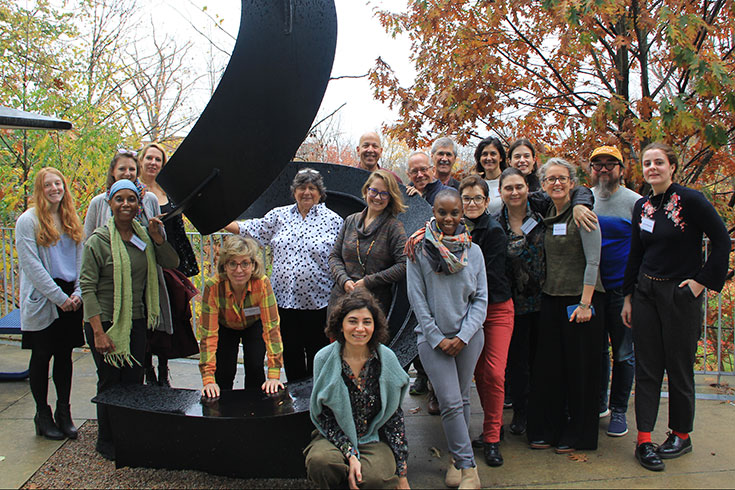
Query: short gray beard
{"points": [[606, 188]]}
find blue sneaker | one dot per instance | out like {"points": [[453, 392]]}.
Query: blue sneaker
{"points": [[618, 425]]}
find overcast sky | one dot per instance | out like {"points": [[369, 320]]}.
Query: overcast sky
{"points": [[360, 40]]}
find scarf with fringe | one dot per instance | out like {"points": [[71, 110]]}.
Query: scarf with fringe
{"points": [[447, 254], [122, 278]]}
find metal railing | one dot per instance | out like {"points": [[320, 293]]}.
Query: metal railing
{"points": [[715, 355]]}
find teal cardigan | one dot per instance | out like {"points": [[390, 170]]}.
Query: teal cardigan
{"points": [[330, 391]]}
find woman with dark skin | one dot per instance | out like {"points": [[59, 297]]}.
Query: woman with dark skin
{"points": [[119, 309], [447, 288]]}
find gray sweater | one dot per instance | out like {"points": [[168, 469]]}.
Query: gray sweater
{"points": [[39, 294], [447, 305]]}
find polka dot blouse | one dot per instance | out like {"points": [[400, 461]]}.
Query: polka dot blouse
{"points": [[301, 248]]}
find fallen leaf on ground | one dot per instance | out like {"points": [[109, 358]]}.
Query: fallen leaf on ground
{"points": [[435, 452], [2, 458], [414, 410], [578, 457]]}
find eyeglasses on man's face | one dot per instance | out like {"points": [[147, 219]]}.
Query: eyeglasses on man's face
{"points": [[418, 170], [608, 165]]}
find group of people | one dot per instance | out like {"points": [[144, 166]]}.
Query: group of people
{"points": [[522, 279], [119, 279]]}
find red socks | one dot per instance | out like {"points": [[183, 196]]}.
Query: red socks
{"points": [[644, 437]]}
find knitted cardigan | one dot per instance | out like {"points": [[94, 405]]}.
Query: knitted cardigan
{"points": [[330, 391]]}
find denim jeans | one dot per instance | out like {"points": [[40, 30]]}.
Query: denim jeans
{"points": [[623, 366]]}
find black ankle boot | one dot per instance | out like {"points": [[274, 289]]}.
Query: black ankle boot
{"points": [[45, 425], [150, 376], [163, 375], [64, 422]]}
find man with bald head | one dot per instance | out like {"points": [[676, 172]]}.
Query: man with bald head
{"points": [[423, 181], [443, 155], [369, 151]]}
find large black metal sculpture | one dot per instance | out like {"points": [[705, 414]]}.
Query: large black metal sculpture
{"points": [[17, 119], [259, 114], [237, 157]]}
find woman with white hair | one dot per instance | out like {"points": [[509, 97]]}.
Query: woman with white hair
{"points": [[301, 237]]}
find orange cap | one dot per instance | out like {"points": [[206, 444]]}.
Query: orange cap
{"points": [[607, 150]]}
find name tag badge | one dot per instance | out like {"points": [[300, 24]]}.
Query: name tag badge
{"points": [[560, 229], [647, 224], [495, 192], [252, 311], [140, 244], [528, 225]]}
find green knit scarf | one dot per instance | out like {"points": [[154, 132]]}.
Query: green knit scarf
{"points": [[122, 321]]}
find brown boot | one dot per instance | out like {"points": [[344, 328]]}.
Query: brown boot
{"points": [[453, 476], [470, 478]]}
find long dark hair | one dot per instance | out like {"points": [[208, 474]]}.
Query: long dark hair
{"points": [[481, 146]]}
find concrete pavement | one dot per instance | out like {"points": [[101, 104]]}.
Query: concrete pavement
{"points": [[711, 464]]}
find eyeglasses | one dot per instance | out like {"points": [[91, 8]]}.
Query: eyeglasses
{"points": [[473, 199], [307, 171], [244, 265], [562, 179], [609, 166], [126, 152], [416, 171], [375, 193]]}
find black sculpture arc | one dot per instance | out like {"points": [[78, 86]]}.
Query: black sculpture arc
{"points": [[260, 112]]}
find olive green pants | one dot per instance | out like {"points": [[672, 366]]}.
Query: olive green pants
{"points": [[326, 466]]}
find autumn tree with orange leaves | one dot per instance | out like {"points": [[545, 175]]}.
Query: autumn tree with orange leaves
{"points": [[571, 74]]}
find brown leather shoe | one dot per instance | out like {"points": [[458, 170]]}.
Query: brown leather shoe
{"points": [[433, 404]]}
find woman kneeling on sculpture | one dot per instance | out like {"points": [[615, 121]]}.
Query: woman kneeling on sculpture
{"points": [[238, 304], [356, 402], [119, 285]]}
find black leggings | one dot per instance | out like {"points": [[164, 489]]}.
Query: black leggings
{"points": [[253, 353], [302, 332], [62, 370]]}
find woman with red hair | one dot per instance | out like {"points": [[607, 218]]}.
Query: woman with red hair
{"points": [[48, 238]]}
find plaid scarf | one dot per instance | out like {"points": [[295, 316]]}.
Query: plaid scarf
{"points": [[447, 254]]}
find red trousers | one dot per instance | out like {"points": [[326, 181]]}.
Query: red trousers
{"points": [[490, 369]]}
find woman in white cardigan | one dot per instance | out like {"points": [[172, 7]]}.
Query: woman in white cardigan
{"points": [[48, 238]]}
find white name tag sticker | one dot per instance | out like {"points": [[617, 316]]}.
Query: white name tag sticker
{"points": [[138, 242], [528, 225], [647, 224], [252, 311], [560, 229]]}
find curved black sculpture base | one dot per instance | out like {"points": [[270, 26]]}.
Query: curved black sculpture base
{"points": [[244, 434]]}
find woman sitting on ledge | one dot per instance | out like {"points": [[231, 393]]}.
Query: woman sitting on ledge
{"points": [[238, 304], [356, 402]]}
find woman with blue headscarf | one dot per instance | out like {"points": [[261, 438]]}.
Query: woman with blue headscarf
{"points": [[119, 286]]}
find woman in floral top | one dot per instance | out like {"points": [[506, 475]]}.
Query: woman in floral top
{"points": [[663, 284], [355, 402]]}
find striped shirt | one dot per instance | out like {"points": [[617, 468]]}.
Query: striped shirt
{"points": [[220, 307]]}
